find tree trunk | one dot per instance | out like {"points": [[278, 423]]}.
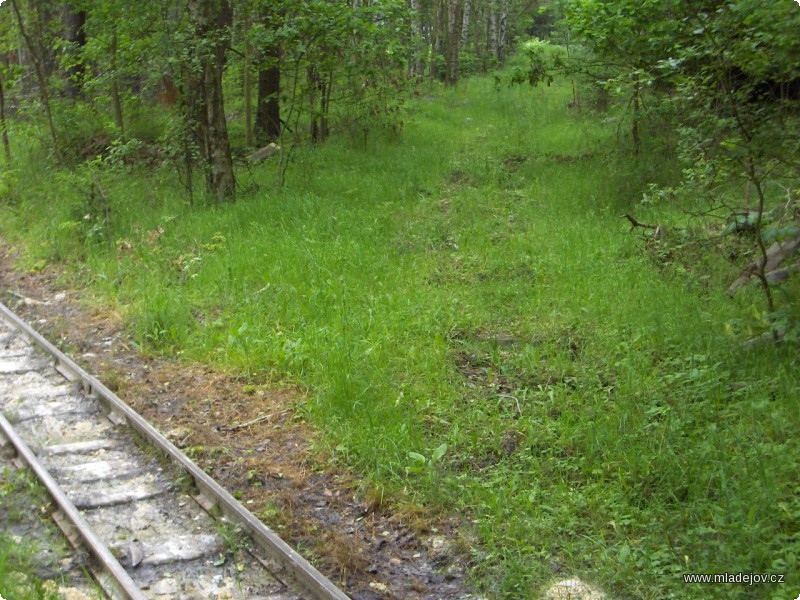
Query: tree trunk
{"points": [[115, 95], [3, 129], [41, 77], [268, 109], [494, 42], [320, 87], [416, 66], [465, 24], [576, 96], [455, 15], [436, 37], [247, 85], [502, 33], [313, 88], [325, 89], [209, 19], [219, 178], [74, 21], [636, 115]]}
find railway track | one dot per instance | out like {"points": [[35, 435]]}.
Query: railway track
{"points": [[156, 524]]}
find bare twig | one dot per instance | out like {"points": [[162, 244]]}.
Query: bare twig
{"points": [[256, 421], [25, 299], [514, 398], [239, 426], [659, 232], [635, 223]]}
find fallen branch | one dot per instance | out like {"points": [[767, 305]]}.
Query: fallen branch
{"points": [[659, 232], [263, 154], [635, 223], [26, 300], [239, 426], [766, 338], [777, 253]]}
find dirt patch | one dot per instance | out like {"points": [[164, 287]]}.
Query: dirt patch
{"points": [[570, 158], [460, 178], [512, 163], [254, 440]]}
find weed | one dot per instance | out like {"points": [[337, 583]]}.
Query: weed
{"points": [[233, 539]]}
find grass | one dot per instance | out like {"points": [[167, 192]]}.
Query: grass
{"points": [[18, 493], [480, 333]]}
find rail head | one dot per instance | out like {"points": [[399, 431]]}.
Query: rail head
{"points": [[314, 582]]}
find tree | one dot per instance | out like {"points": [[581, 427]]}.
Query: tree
{"points": [[455, 23], [117, 53], [75, 40], [268, 107], [3, 124], [7, 75], [268, 60], [628, 39], [210, 20], [730, 72], [316, 64], [739, 91], [35, 46]]}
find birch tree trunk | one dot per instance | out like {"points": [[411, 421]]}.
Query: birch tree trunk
{"points": [[502, 33], [465, 24], [493, 37]]}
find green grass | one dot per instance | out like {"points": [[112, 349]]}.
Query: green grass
{"points": [[15, 581], [474, 285], [18, 493]]}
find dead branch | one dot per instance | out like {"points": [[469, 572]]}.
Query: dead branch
{"points": [[256, 421], [635, 223], [777, 253], [769, 337], [659, 232], [262, 154], [25, 299], [239, 426]]}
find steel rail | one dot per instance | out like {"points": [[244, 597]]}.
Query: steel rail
{"points": [[314, 582], [121, 581]]}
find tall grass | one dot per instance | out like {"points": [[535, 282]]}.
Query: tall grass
{"points": [[471, 289]]}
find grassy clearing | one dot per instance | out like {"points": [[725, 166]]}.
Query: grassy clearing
{"points": [[480, 334]]}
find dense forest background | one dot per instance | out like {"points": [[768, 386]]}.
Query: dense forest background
{"points": [[535, 261]]}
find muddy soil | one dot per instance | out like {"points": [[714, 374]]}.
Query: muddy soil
{"points": [[254, 441]]}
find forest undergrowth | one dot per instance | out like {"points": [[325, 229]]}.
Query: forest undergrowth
{"points": [[479, 331]]}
